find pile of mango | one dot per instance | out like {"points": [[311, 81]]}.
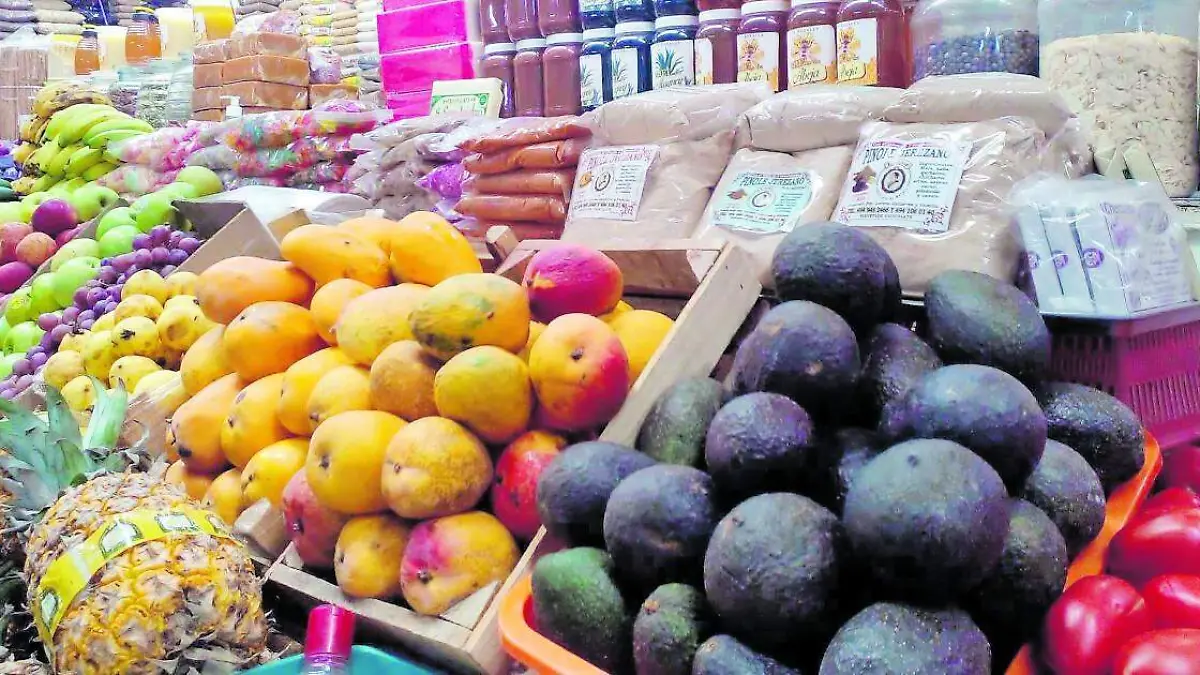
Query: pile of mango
{"points": [[376, 386]]}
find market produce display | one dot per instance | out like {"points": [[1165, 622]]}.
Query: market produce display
{"points": [[909, 505]]}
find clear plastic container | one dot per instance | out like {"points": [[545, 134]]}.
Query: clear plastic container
{"points": [[152, 94], [498, 63], [597, 14], [87, 52], [762, 43], [558, 16], [177, 25], [673, 53], [716, 46], [950, 37], [142, 40], [528, 93], [873, 43], [112, 47], [1130, 66], [522, 19], [560, 74], [123, 93], [812, 43], [179, 93], [595, 68], [631, 58], [493, 29]]}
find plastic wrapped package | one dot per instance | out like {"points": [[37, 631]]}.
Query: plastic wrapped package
{"points": [[935, 195], [206, 75], [543, 209], [326, 172], [273, 44], [812, 117], [322, 93], [207, 98], [764, 195], [524, 182], [417, 69], [215, 51], [269, 94], [424, 25], [161, 150], [232, 181], [57, 28], [153, 93], [445, 181], [676, 113], [266, 68], [324, 8], [212, 115], [215, 157], [661, 193], [552, 155], [134, 180], [398, 206], [407, 104], [17, 15], [313, 149], [522, 131], [276, 129], [975, 97], [324, 66], [277, 23]]}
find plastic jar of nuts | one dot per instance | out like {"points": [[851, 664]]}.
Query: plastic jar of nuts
{"points": [[950, 37]]}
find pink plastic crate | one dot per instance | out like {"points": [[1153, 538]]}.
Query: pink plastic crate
{"points": [[1152, 364], [427, 25], [418, 69], [409, 103]]}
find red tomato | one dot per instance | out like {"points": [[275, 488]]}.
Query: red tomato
{"points": [[1171, 499], [1160, 652], [1174, 600], [1150, 547], [1088, 624], [1181, 468]]}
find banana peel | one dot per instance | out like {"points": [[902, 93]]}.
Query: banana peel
{"points": [[62, 120], [101, 141], [82, 123], [111, 125], [41, 158], [58, 165], [82, 159], [99, 170], [43, 184], [62, 95], [23, 152], [32, 128]]}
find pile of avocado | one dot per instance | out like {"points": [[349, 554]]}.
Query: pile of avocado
{"points": [[857, 498]]}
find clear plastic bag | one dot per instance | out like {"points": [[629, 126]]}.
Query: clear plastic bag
{"points": [[522, 131], [675, 113], [276, 44], [324, 66], [278, 23], [524, 182], [541, 209], [232, 181], [326, 172], [268, 95], [266, 68], [161, 150], [816, 116], [551, 155], [445, 181], [976, 97], [135, 181]]}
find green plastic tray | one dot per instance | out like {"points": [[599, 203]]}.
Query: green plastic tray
{"points": [[363, 661]]}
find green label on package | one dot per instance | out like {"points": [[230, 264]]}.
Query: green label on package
{"points": [[763, 203]]}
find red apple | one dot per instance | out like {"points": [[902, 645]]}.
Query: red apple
{"points": [[11, 234], [35, 249], [53, 216], [67, 235]]}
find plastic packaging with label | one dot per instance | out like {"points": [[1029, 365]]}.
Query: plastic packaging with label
{"points": [[762, 43], [812, 43], [716, 46], [519, 132], [161, 150], [276, 129], [276, 69], [974, 97], [542, 209], [134, 180], [524, 182], [819, 116]]}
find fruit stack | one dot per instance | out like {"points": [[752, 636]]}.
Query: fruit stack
{"points": [[836, 510], [365, 384]]}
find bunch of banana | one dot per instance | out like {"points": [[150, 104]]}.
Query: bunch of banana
{"points": [[24, 185], [59, 95], [23, 152], [92, 124], [114, 129], [31, 130]]}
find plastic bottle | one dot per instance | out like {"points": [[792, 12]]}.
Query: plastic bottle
{"points": [[631, 58], [142, 42], [974, 36], [521, 17], [710, 5], [498, 63], [328, 641], [762, 43], [558, 16], [87, 52], [716, 46], [597, 14], [234, 108], [673, 53], [665, 8], [112, 46], [493, 28], [812, 43], [528, 94], [176, 25], [872, 38], [560, 74], [595, 68], [627, 11]]}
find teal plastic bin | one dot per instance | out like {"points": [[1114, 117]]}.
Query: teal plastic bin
{"points": [[363, 661]]}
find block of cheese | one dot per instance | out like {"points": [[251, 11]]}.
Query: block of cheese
{"points": [[320, 93], [274, 44], [207, 98], [206, 75], [268, 95], [266, 68]]}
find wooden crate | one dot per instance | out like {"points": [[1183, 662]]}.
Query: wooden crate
{"points": [[709, 288]]}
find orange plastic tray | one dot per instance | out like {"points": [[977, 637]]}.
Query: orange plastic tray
{"points": [[525, 644]]}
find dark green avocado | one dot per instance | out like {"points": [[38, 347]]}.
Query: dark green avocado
{"points": [[668, 630], [675, 428], [578, 605]]}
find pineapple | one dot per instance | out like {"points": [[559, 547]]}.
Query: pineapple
{"points": [[155, 599]]}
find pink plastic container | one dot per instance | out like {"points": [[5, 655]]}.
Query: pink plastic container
{"points": [[408, 103], [1152, 364], [435, 24], [418, 69], [389, 5]]}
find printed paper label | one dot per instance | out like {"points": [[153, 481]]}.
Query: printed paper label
{"points": [[858, 52], [704, 61], [591, 72], [905, 184], [609, 182], [812, 55], [763, 203], [624, 72], [673, 64], [758, 58]]}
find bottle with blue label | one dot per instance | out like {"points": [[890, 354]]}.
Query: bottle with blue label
{"points": [[674, 8], [633, 10], [631, 58], [673, 54], [595, 68], [597, 14]]}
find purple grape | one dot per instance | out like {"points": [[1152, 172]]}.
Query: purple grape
{"points": [[160, 235], [87, 324], [122, 262], [6, 392], [93, 283], [177, 256], [86, 315], [159, 255], [36, 349], [95, 295], [70, 314], [24, 381], [175, 238], [189, 244], [45, 343], [114, 292], [106, 275], [166, 271], [106, 262], [39, 360], [142, 241], [122, 278], [59, 332], [142, 258], [22, 367], [110, 306], [47, 321]]}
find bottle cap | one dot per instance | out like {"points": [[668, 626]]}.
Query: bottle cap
{"points": [[720, 15], [330, 631]]}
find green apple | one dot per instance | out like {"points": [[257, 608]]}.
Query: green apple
{"points": [[73, 274], [90, 200], [19, 307], [3, 329], [11, 212], [7, 361], [80, 247], [41, 294], [181, 191], [30, 203], [204, 179], [154, 210], [118, 240], [23, 336], [118, 217]]}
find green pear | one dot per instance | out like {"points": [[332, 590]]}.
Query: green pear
{"points": [[73, 274]]}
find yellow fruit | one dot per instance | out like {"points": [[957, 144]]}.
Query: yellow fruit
{"points": [[345, 460], [378, 231], [434, 467], [74, 341], [181, 283], [372, 321], [146, 282], [268, 472], [450, 558], [98, 354], [328, 302], [194, 484], [137, 305], [136, 336], [224, 496], [182, 323], [252, 424], [80, 394], [298, 383], [205, 362], [127, 371], [231, 285], [63, 367], [105, 322], [620, 309], [640, 332], [428, 250], [366, 561], [329, 253], [197, 425], [181, 300], [340, 390], [402, 381], [470, 310], [488, 390], [268, 337], [535, 332], [166, 386], [172, 450]]}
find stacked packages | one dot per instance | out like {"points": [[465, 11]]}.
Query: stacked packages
{"points": [[247, 8], [264, 64], [151, 161], [421, 42]]}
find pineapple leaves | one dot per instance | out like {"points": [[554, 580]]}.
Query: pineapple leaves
{"points": [[108, 416]]}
